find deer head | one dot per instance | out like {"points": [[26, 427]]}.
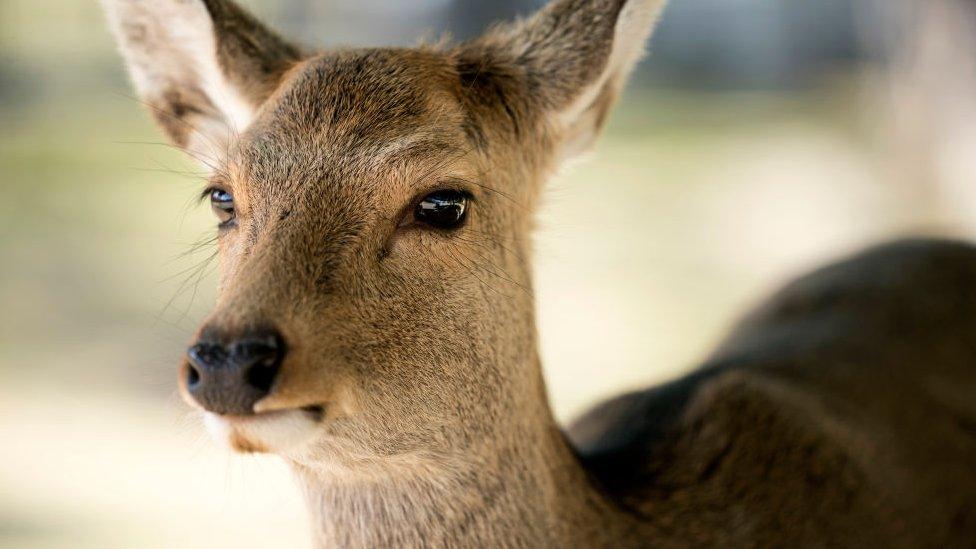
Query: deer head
{"points": [[375, 208]]}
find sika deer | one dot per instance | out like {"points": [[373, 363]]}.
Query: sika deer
{"points": [[374, 327]]}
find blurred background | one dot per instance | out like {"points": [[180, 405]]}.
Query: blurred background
{"points": [[761, 138]]}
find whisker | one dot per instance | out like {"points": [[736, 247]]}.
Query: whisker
{"points": [[497, 242], [196, 275], [489, 267], [186, 123]]}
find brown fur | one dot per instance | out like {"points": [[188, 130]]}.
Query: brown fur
{"points": [[421, 347], [245, 445]]}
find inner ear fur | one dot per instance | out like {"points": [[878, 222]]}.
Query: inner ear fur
{"points": [[563, 66], [202, 66]]}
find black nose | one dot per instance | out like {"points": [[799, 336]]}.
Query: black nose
{"points": [[228, 378]]}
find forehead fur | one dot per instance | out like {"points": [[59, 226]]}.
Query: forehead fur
{"points": [[346, 140], [359, 107]]}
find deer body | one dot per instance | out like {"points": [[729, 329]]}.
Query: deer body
{"points": [[841, 413], [375, 325]]}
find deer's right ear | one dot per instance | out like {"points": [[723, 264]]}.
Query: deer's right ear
{"points": [[202, 66], [566, 64]]}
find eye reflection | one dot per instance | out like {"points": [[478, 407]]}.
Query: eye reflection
{"points": [[444, 209]]}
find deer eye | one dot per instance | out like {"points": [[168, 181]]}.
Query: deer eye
{"points": [[444, 209], [222, 204]]}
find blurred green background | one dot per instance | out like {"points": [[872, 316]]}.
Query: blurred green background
{"points": [[760, 139]]}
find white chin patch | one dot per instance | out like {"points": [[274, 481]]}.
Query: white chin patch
{"points": [[273, 432]]}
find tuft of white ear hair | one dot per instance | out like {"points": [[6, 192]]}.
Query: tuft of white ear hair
{"points": [[634, 26], [171, 45]]}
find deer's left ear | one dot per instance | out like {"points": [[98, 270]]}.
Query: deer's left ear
{"points": [[567, 63]]}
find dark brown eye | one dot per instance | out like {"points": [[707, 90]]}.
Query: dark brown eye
{"points": [[222, 203], [442, 209]]}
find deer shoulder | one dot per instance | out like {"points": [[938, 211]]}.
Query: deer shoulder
{"points": [[833, 409]]}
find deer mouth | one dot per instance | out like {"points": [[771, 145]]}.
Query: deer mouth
{"points": [[279, 431], [316, 412]]}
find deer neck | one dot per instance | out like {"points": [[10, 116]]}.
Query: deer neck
{"points": [[526, 490]]}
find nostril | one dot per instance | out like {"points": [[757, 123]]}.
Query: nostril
{"points": [[229, 378], [260, 355], [192, 376], [261, 376]]}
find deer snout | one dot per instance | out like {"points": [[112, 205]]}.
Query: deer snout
{"points": [[228, 376]]}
